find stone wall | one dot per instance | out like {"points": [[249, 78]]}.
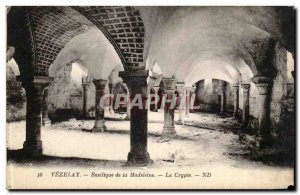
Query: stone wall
{"points": [[208, 96], [15, 97], [280, 104], [65, 98], [65, 95]]}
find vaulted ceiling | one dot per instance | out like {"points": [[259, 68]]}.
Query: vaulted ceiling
{"points": [[178, 39]]}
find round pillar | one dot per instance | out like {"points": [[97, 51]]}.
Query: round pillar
{"points": [[85, 112], [169, 91], [156, 89], [245, 114], [111, 99], [264, 85], [128, 103], [223, 101], [45, 119], [187, 101], [136, 82], [235, 100], [99, 112], [180, 90], [34, 94], [191, 104]]}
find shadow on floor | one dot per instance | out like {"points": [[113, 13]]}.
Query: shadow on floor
{"points": [[273, 155], [150, 134], [18, 156]]}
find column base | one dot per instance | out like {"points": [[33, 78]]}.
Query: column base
{"points": [[127, 118], [34, 150], [138, 159], [179, 122], [168, 132], [222, 113], [235, 114], [112, 112], [187, 116], [46, 122], [263, 143], [99, 127], [85, 116], [245, 125]]}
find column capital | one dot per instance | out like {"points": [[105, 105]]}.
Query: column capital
{"points": [[136, 78], [169, 83], [262, 83], [151, 79], [180, 87], [263, 88], [220, 90], [84, 85], [188, 88], [86, 79], [261, 79], [110, 85], [156, 88], [193, 89], [99, 83], [39, 83], [236, 85], [245, 87]]}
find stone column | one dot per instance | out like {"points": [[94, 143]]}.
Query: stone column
{"points": [[111, 99], [85, 112], [222, 93], [264, 85], [156, 89], [180, 90], [34, 94], [99, 112], [169, 90], [136, 81], [193, 90], [45, 119], [246, 96], [128, 103], [187, 101], [235, 100]]}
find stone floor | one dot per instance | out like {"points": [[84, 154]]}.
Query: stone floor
{"points": [[206, 142]]}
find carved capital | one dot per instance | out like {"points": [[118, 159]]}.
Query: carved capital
{"points": [[169, 83], [193, 89], [261, 79], [156, 88], [37, 85], [99, 83], [136, 81], [263, 88], [263, 83], [85, 85], [245, 87], [136, 78]]}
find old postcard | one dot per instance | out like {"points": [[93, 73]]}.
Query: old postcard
{"points": [[152, 97]]}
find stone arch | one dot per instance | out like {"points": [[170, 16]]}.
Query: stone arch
{"points": [[124, 28], [113, 77], [226, 31], [49, 28], [221, 71], [93, 50]]}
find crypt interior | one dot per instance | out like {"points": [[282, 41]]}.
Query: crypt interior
{"points": [[238, 62]]}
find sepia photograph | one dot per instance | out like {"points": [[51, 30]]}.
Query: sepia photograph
{"points": [[150, 97]]}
